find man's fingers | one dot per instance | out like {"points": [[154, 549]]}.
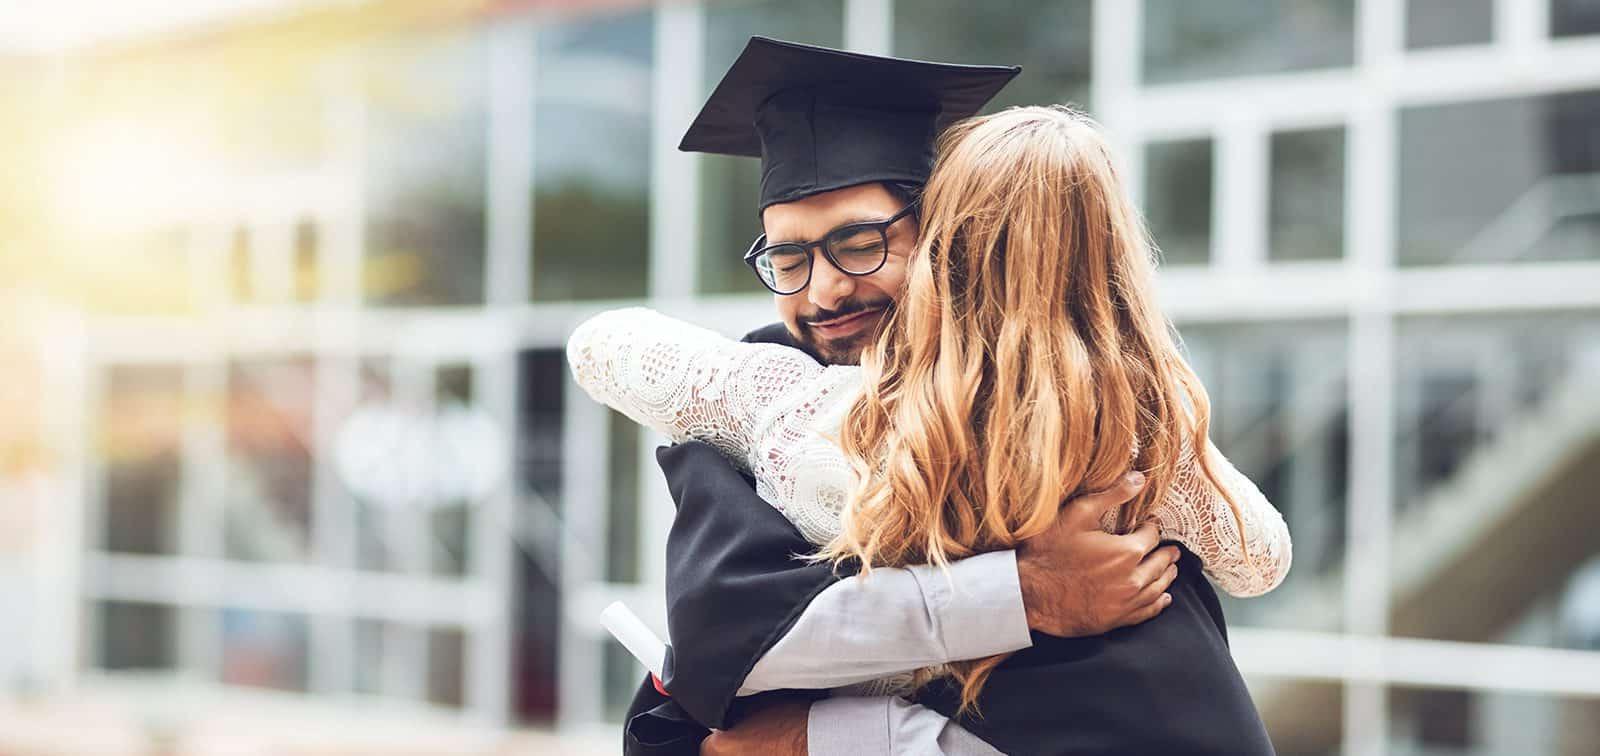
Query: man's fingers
{"points": [[1148, 611], [1156, 587], [1086, 510], [1153, 566], [1145, 537]]}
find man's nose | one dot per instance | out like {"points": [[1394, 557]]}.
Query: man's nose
{"points": [[829, 286]]}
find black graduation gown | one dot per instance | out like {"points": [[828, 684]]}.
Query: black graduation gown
{"points": [[733, 589], [1164, 686]]}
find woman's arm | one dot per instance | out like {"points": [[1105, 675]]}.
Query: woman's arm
{"points": [[684, 381], [1195, 514]]}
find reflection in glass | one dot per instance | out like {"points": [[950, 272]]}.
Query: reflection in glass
{"points": [[1495, 429], [1440, 23], [416, 467], [136, 635], [1178, 196], [1528, 188], [372, 515], [264, 649], [1048, 38], [1452, 721], [142, 432], [268, 470], [1187, 41], [591, 194], [730, 186], [1307, 195], [1279, 412], [425, 171]]}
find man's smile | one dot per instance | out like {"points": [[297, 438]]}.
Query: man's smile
{"points": [[847, 325]]}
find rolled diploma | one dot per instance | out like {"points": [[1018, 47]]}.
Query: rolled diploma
{"points": [[640, 641]]}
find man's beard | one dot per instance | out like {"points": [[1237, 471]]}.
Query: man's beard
{"points": [[845, 350]]}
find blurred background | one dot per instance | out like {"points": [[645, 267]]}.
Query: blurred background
{"points": [[290, 462]]}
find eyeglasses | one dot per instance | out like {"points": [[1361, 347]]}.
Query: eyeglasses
{"points": [[858, 249]]}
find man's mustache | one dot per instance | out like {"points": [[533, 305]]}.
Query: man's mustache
{"points": [[850, 308]]}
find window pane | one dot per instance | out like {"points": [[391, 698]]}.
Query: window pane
{"points": [[1302, 717], [264, 649], [446, 666], [622, 530], [462, 467], [1438, 23], [1048, 38], [622, 675], [307, 250], [426, 121], [591, 194], [1307, 195], [730, 187], [136, 635], [367, 677], [1495, 463], [1571, 18], [1279, 412], [361, 476], [1177, 191], [141, 441], [1186, 40], [1526, 192], [268, 471], [542, 376], [1452, 721]]}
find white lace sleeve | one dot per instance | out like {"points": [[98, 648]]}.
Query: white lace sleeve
{"points": [[1196, 515], [766, 407]]}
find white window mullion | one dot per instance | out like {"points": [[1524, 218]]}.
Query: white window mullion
{"points": [[1240, 205], [485, 684], [1370, 249], [585, 494], [1522, 29], [869, 26], [202, 505], [1114, 82], [65, 635], [678, 76], [510, 162]]}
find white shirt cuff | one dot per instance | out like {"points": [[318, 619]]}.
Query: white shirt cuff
{"points": [[978, 608], [848, 726]]}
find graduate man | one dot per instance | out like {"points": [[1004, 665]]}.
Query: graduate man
{"points": [[757, 637]]}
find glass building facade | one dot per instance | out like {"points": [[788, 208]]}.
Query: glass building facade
{"points": [[311, 411]]}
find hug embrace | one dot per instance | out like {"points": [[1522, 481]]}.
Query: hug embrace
{"points": [[961, 498]]}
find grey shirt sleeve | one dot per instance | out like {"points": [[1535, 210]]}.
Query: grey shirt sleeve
{"points": [[886, 726], [898, 620]]}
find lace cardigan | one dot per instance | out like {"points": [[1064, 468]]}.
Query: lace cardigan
{"points": [[771, 410]]}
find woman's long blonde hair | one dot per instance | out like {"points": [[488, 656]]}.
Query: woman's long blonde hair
{"points": [[1025, 362]]}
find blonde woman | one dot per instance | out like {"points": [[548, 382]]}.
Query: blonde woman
{"points": [[1026, 363]]}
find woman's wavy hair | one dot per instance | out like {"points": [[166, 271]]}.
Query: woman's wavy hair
{"points": [[1025, 362]]}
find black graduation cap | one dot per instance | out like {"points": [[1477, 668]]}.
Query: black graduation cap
{"points": [[823, 119]]}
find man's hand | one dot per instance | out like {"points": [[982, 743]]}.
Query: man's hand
{"points": [[775, 730], [1079, 580]]}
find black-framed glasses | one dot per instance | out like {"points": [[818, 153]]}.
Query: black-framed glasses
{"points": [[858, 249]]}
